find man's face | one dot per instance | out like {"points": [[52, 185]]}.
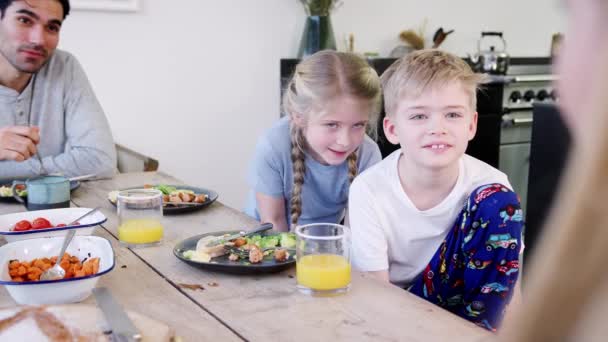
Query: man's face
{"points": [[29, 33]]}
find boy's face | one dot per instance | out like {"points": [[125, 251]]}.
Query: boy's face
{"points": [[435, 128], [333, 135], [29, 33]]}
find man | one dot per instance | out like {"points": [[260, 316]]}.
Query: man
{"points": [[50, 119]]}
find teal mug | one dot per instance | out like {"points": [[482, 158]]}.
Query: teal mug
{"points": [[47, 192]]}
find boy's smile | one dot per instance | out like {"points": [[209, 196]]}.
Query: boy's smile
{"points": [[434, 128]]}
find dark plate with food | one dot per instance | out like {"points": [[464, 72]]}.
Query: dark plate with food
{"points": [[177, 199], [6, 194], [268, 252]]}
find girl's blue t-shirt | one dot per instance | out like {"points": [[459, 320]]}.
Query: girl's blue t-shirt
{"points": [[325, 188]]}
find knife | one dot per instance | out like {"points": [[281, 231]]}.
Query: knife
{"points": [[115, 315], [224, 239]]}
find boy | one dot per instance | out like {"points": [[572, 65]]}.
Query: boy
{"points": [[430, 218]]}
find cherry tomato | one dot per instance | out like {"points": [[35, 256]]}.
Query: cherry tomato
{"points": [[60, 225], [22, 225], [41, 223]]}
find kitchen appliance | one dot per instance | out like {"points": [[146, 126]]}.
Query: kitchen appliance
{"points": [[491, 61], [550, 147], [525, 86]]}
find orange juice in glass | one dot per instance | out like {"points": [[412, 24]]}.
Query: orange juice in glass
{"points": [[140, 214], [323, 258]]}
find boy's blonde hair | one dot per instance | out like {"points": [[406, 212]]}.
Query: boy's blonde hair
{"points": [[422, 70], [317, 80]]}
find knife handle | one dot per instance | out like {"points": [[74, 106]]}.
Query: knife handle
{"points": [[261, 228]]}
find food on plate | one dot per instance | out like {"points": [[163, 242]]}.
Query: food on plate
{"points": [[41, 223], [175, 195], [281, 254], [21, 271], [238, 242], [49, 326], [38, 223], [171, 195], [255, 254], [22, 225], [197, 256], [6, 191], [288, 240], [81, 322], [252, 249]]}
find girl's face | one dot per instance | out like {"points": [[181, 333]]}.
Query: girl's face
{"points": [[332, 135], [579, 58]]}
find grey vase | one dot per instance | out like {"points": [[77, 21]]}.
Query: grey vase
{"points": [[318, 35]]}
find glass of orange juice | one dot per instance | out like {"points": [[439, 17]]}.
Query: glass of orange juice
{"points": [[323, 258], [140, 213]]}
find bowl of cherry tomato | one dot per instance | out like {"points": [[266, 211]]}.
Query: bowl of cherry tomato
{"points": [[48, 223]]}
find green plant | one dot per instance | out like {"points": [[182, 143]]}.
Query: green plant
{"points": [[320, 7]]}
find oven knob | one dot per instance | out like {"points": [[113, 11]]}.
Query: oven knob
{"points": [[554, 94], [542, 95], [515, 96], [529, 95]]}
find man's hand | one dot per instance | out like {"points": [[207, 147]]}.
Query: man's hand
{"points": [[18, 143]]}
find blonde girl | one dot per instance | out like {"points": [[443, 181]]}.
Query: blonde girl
{"points": [[304, 164]]}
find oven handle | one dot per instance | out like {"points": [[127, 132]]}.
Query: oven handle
{"points": [[516, 121], [521, 121], [535, 78]]}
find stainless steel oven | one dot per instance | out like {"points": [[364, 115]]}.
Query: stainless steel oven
{"points": [[520, 93]]}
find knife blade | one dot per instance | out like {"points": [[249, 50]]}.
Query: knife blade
{"points": [[224, 239], [115, 315]]}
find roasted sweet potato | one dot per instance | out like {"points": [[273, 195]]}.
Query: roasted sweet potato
{"points": [[31, 270]]}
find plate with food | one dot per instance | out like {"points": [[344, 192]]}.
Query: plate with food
{"points": [[48, 223], [6, 194], [177, 199], [76, 322], [231, 252], [87, 258]]}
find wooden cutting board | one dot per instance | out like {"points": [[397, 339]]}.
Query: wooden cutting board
{"points": [[78, 322]]}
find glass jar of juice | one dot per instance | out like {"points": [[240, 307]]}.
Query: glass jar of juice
{"points": [[323, 258], [140, 214]]}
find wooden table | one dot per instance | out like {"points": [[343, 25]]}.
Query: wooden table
{"points": [[256, 308]]}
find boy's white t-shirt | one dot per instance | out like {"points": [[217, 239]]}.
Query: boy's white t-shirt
{"points": [[390, 233]]}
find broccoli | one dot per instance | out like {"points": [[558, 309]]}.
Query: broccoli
{"points": [[288, 240], [269, 241], [188, 254], [165, 189], [254, 240]]}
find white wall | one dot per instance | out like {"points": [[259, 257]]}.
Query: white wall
{"points": [[194, 83]]}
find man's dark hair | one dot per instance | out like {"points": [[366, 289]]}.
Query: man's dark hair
{"points": [[5, 3]]}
